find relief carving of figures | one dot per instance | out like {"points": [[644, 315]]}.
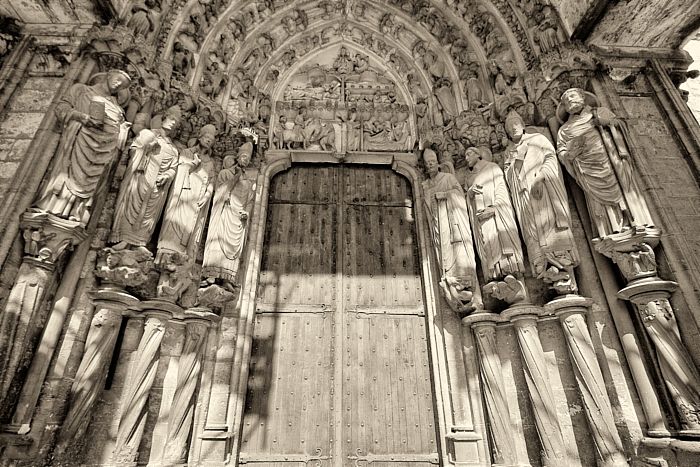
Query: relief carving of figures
{"points": [[93, 134], [493, 220], [592, 146], [186, 210], [152, 166], [144, 17], [540, 201], [452, 236], [228, 226]]}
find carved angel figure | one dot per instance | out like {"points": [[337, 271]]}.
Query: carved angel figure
{"points": [[152, 163], [540, 201], [493, 220], [228, 226], [591, 145], [93, 134]]}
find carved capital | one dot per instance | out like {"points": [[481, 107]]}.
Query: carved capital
{"points": [[511, 290], [46, 236], [126, 268], [627, 241], [636, 264]]}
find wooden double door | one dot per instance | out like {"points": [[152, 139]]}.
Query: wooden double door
{"points": [[340, 368]]}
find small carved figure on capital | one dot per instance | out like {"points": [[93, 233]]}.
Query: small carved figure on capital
{"points": [[541, 205], [448, 216], [93, 132], [152, 167], [592, 145]]}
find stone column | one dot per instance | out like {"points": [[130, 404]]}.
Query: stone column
{"points": [[651, 299], [571, 311], [524, 319], [197, 323], [503, 445], [110, 305], [46, 237], [134, 408]]}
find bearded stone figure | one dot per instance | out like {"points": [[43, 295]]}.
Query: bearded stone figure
{"points": [[93, 133], [186, 210], [151, 169], [493, 220], [452, 237], [541, 205], [591, 145], [228, 226]]}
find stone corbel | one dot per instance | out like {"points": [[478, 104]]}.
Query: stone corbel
{"points": [[47, 237]]}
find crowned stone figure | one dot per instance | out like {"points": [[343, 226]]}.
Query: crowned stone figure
{"points": [[539, 197], [93, 133], [152, 167], [592, 145]]}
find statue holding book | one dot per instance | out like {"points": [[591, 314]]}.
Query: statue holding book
{"points": [[93, 132]]}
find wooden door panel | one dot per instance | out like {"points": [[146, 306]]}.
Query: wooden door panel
{"points": [[370, 185], [306, 184], [289, 398], [387, 388], [299, 263]]}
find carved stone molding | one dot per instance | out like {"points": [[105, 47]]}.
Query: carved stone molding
{"points": [[571, 311], [650, 297]]}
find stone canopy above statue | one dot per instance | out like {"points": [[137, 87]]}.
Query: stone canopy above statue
{"points": [[342, 100]]}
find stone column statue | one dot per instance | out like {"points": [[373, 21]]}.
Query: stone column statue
{"points": [[452, 236], [591, 145], [493, 220], [93, 133], [542, 207], [228, 226], [152, 164]]}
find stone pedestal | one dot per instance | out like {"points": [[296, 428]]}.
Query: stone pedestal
{"points": [[503, 445], [571, 311], [110, 306], [134, 409], [650, 297], [197, 323], [524, 319]]}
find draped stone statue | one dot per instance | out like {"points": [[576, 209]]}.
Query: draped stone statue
{"points": [[492, 217], [452, 236], [152, 164], [186, 210], [228, 226], [591, 145], [93, 133], [541, 205]]}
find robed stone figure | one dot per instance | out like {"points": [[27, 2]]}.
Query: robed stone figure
{"points": [[540, 201], [493, 220], [591, 145], [188, 202], [93, 133], [452, 236], [228, 225], [144, 189]]}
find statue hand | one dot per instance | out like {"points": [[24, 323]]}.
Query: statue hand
{"points": [[161, 180], [441, 195], [202, 202], [537, 187], [605, 117], [243, 215], [486, 213]]}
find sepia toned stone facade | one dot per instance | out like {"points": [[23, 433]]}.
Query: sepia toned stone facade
{"points": [[426, 232]]}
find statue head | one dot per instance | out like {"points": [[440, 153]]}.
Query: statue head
{"points": [[573, 100], [514, 125], [245, 153], [117, 80], [207, 136], [172, 118], [431, 162], [475, 154]]}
